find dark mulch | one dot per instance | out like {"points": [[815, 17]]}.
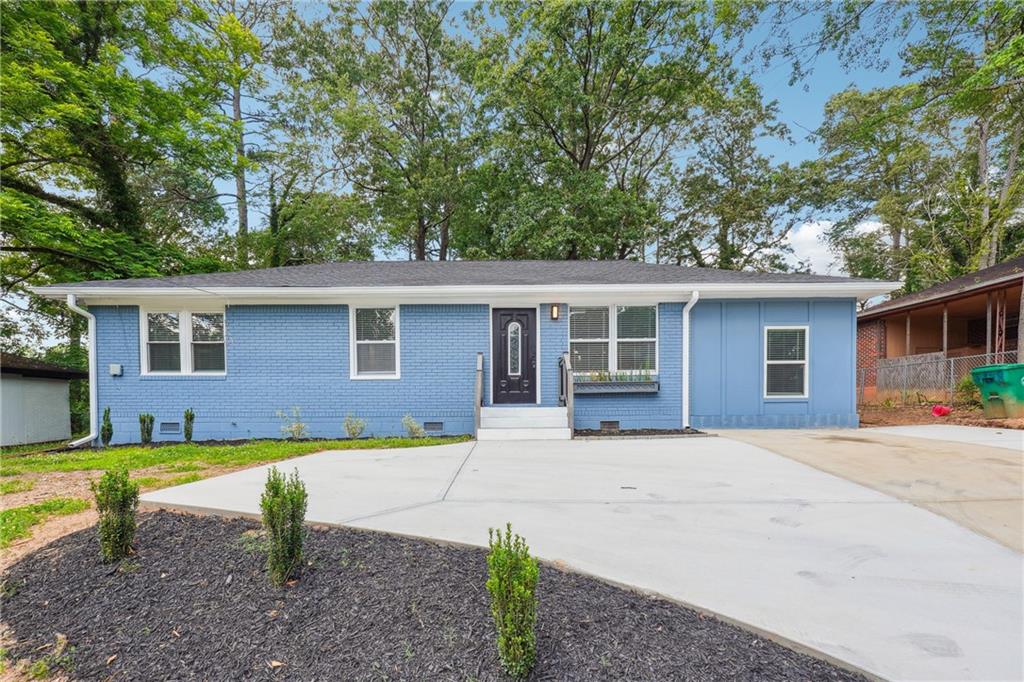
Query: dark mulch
{"points": [[627, 433], [194, 603]]}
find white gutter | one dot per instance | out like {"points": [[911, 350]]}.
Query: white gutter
{"points": [[694, 297], [93, 430]]}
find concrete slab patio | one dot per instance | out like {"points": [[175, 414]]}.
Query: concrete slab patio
{"points": [[729, 527], [968, 480]]}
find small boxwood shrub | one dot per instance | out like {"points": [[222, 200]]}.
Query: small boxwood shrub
{"points": [[412, 427], [107, 428], [284, 509], [190, 420], [512, 583], [117, 498], [146, 427], [354, 426]]}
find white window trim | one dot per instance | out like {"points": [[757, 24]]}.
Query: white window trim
{"points": [[353, 370], [613, 337], [806, 362], [184, 341]]}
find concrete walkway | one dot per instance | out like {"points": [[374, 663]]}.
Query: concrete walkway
{"points": [[723, 525], [1011, 439]]}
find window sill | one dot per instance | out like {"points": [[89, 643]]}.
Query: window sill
{"points": [[788, 398], [211, 376], [375, 377]]}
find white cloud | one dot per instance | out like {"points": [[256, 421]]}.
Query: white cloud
{"points": [[808, 243]]}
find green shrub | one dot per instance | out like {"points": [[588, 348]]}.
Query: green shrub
{"points": [[146, 427], [412, 427], [292, 426], [107, 429], [284, 509], [967, 392], [512, 582], [190, 420], [117, 498], [353, 426]]}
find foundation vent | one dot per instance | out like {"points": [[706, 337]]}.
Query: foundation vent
{"points": [[609, 425], [170, 427], [433, 427]]}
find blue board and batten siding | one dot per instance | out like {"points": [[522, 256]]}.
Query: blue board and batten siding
{"points": [[727, 368], [280, 356]]}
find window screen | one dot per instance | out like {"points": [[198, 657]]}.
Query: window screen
{"points": [[376, 344], [207, 342], [636, 331], [786, 362], [163, 342], [589, 338]]}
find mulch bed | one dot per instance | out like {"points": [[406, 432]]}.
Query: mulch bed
{"points": [[636, 433], [195, 604]]}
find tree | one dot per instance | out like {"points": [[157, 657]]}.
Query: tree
{"points": [[590, 100], [107, 140], [967, 62], [236, 58], [385, 77], [85, 140], [734, 207]]}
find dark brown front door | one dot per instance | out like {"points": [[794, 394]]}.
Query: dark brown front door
{"points": [[514, 353]]}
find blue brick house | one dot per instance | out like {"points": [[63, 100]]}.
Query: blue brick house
{"points": [[503, 349]]}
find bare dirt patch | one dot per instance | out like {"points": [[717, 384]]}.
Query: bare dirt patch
{"points": [[909, 415]]}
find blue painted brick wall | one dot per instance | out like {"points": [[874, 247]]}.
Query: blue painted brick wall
{"points": [[279, 356], [661, 410]]}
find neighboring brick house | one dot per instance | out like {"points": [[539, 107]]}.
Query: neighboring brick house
{"points": [[650, 346], [973, 320]]}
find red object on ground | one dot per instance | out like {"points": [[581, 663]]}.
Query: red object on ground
{"points": [[941, 410]]}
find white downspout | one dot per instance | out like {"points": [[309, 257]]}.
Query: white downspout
{"points": [[694, 297], [93, 431]]}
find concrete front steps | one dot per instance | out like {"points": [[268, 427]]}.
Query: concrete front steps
{"points": [[523, 423]]}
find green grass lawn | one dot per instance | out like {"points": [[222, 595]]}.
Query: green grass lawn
{"points": [[16, 522], [16, 485], [193, 457], [31, 447]]}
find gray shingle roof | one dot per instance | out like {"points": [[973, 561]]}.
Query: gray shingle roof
{"points": [[466, 273], [1007, 270]]}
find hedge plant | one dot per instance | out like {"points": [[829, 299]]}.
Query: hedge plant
{"points": [[512, 583], [107, 428], [284, 510], [146, 427], [117, 498], [190, 418]]}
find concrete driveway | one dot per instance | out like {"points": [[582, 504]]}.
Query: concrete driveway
{"points": [[727, 526]]}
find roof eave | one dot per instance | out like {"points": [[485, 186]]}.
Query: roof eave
{"points": [[860, 289]]}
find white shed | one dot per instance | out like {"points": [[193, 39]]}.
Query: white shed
{"points": [[34, 400]]}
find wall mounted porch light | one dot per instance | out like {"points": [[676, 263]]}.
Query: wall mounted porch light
{"points": [[554, 311]]}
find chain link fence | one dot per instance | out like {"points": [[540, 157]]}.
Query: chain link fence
{"points": [[921, 378]]}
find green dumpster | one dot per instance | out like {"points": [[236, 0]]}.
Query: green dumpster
{"points": [[1002, 390]]}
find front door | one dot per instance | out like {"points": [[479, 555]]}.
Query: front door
{"points": [[515, 355]]}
